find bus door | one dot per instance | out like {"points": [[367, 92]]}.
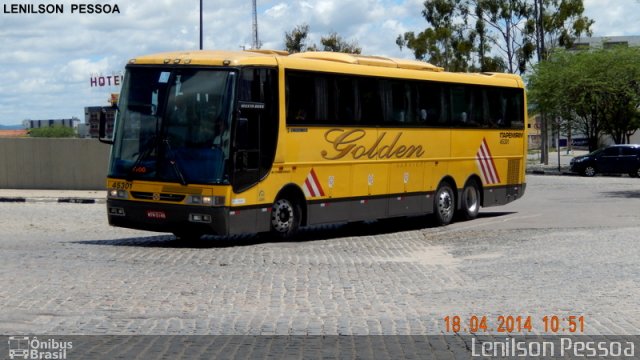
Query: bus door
{"points": [[255, 137]]}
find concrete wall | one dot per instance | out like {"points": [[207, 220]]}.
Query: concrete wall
{"points": [[47, 163]]}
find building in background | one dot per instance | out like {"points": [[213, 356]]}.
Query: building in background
{"points": [[34, 124], [606, 42], [533, 131]]}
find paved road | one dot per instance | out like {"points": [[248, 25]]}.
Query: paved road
{"points": [[569, 247]]}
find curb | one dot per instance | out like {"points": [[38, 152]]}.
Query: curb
{"points": [[13, 199], [540, 169], [63, 200], [550, 172]]}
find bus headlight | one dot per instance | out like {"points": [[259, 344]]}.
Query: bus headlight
{"points": [[205, 200], [118, 194]]}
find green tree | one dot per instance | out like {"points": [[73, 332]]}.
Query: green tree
{"points": [[494, 35], [295, 40], [562, 22], [334, 42], [595, 92], [448, 42], [56, 131], [511, 30], [487, 62]]}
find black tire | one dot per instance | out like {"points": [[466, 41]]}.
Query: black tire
{"points": [[188, 235], [635, 174], [286, 218], [589, 171], [470, 201], [444, 204]]}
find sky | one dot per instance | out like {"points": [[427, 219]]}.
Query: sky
{"points": [[47, 60]]}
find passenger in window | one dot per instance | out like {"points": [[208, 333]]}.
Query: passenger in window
{"points": [[463, 118], [466, 121], [423, 115]]}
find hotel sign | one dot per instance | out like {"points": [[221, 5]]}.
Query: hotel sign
{"points": [[106, 80]]}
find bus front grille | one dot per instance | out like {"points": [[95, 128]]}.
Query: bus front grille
{"points": [[157, 196]]}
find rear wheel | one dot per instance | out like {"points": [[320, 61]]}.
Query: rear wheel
{"points": [[589, 171], [444, 204], [286, 218], [470, 200]]}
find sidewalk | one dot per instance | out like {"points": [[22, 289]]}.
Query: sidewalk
{"points": [[57, 196], [534, 166]]}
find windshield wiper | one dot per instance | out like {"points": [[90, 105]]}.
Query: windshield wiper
{"points": [[152, 144], [174, 162]]}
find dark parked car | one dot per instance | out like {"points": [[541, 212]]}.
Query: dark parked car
{"points": [[616, 159]]}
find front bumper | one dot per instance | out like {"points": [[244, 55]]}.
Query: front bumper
{"points": [[168, 217]]}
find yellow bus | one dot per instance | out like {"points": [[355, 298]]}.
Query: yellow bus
{"points": [[217, 142]]}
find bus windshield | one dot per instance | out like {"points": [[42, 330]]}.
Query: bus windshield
{"points": [[173, 125]]}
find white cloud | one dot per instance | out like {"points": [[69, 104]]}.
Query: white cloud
{"points": [[278, 11], [47, 59], [614, 18]]}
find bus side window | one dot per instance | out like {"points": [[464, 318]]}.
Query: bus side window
{"points": [[371, 101], [496, 107], [514, 109], [431, 105], [462, 107], [344, 100], [402, 96], [300, 106], [458, 107]]}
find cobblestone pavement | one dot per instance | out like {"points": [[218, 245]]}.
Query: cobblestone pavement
{"points": [[63, 270]]}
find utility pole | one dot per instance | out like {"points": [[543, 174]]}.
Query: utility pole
{"points": [[544, 143], [200, 24], [256, 42]]}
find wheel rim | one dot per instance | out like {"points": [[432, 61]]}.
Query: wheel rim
{"points": [[589, 171], [471, 199], [282, 216], [445, 204]]}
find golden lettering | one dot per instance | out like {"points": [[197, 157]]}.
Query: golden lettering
{"points": [[345, 142]]}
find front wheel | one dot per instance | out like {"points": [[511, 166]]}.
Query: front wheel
{"points": [[444, 204], [589, 171], [635, 174], [470, 201], [285, 218]]}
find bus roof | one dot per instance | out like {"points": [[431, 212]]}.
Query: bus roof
{"points": [[211, 57], [323, 61]]}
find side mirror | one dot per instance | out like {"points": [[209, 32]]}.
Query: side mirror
{"points": [[102, 129]]}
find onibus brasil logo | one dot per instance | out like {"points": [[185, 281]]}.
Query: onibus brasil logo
{"points": [[24, 347]]}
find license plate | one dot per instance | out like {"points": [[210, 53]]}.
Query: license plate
{"points": [[156, 214]]}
